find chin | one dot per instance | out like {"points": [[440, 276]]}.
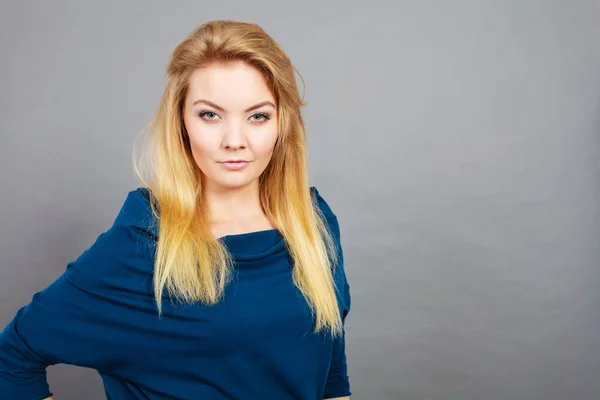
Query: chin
{"points": [[233, 182]]}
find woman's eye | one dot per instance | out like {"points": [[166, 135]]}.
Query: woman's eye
{"points": [[209, 115], [260, 117]]}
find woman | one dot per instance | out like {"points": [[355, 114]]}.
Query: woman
{"points": [[222, 276]]}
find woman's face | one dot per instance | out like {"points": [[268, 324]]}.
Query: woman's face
{"points": [[231, 120]]}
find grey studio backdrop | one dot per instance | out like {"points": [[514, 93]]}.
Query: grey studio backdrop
{"points": [[458, 142]]}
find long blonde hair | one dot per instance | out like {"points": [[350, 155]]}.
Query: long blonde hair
{"points": [[189, 261]]}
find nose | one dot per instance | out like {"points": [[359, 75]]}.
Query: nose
{"points": [[234, 137]]}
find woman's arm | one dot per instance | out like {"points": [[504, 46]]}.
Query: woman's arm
{"points": [[337, 398], [337, 385], [63, 324], [72, 320]]}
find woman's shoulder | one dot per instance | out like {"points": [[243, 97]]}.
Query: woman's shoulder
{"points": [[121, 254], [135, 218], [136, 212], [136, 202], [343, 288], [323, 205]]}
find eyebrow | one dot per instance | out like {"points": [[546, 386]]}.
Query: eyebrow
{"points": [[254, 107]]}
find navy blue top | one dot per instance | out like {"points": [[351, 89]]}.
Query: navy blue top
{"points": [[258, 343]]}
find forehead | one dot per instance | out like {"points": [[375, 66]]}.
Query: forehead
{"points": [[234, 85]]}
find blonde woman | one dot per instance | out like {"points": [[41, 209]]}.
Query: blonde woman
{"points": [[222, 275]]}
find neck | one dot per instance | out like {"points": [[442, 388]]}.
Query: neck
{"points": [[229, 205]]}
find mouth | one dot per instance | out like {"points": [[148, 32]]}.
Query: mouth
{"points": [[234, 165]]}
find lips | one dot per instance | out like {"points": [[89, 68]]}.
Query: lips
{"points": [[234, 165]]}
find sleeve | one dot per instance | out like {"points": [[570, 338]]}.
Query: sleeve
{"points": [[73, 319], [338, 383]]}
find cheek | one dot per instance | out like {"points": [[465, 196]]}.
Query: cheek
{"points": [[201, 139], [204, 148], [266, 144], [200, 144]]}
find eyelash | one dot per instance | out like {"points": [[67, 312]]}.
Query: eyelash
{"points": [[265, 117]]}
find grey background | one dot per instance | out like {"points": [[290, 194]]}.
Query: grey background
{"points": [[458, 142]]}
